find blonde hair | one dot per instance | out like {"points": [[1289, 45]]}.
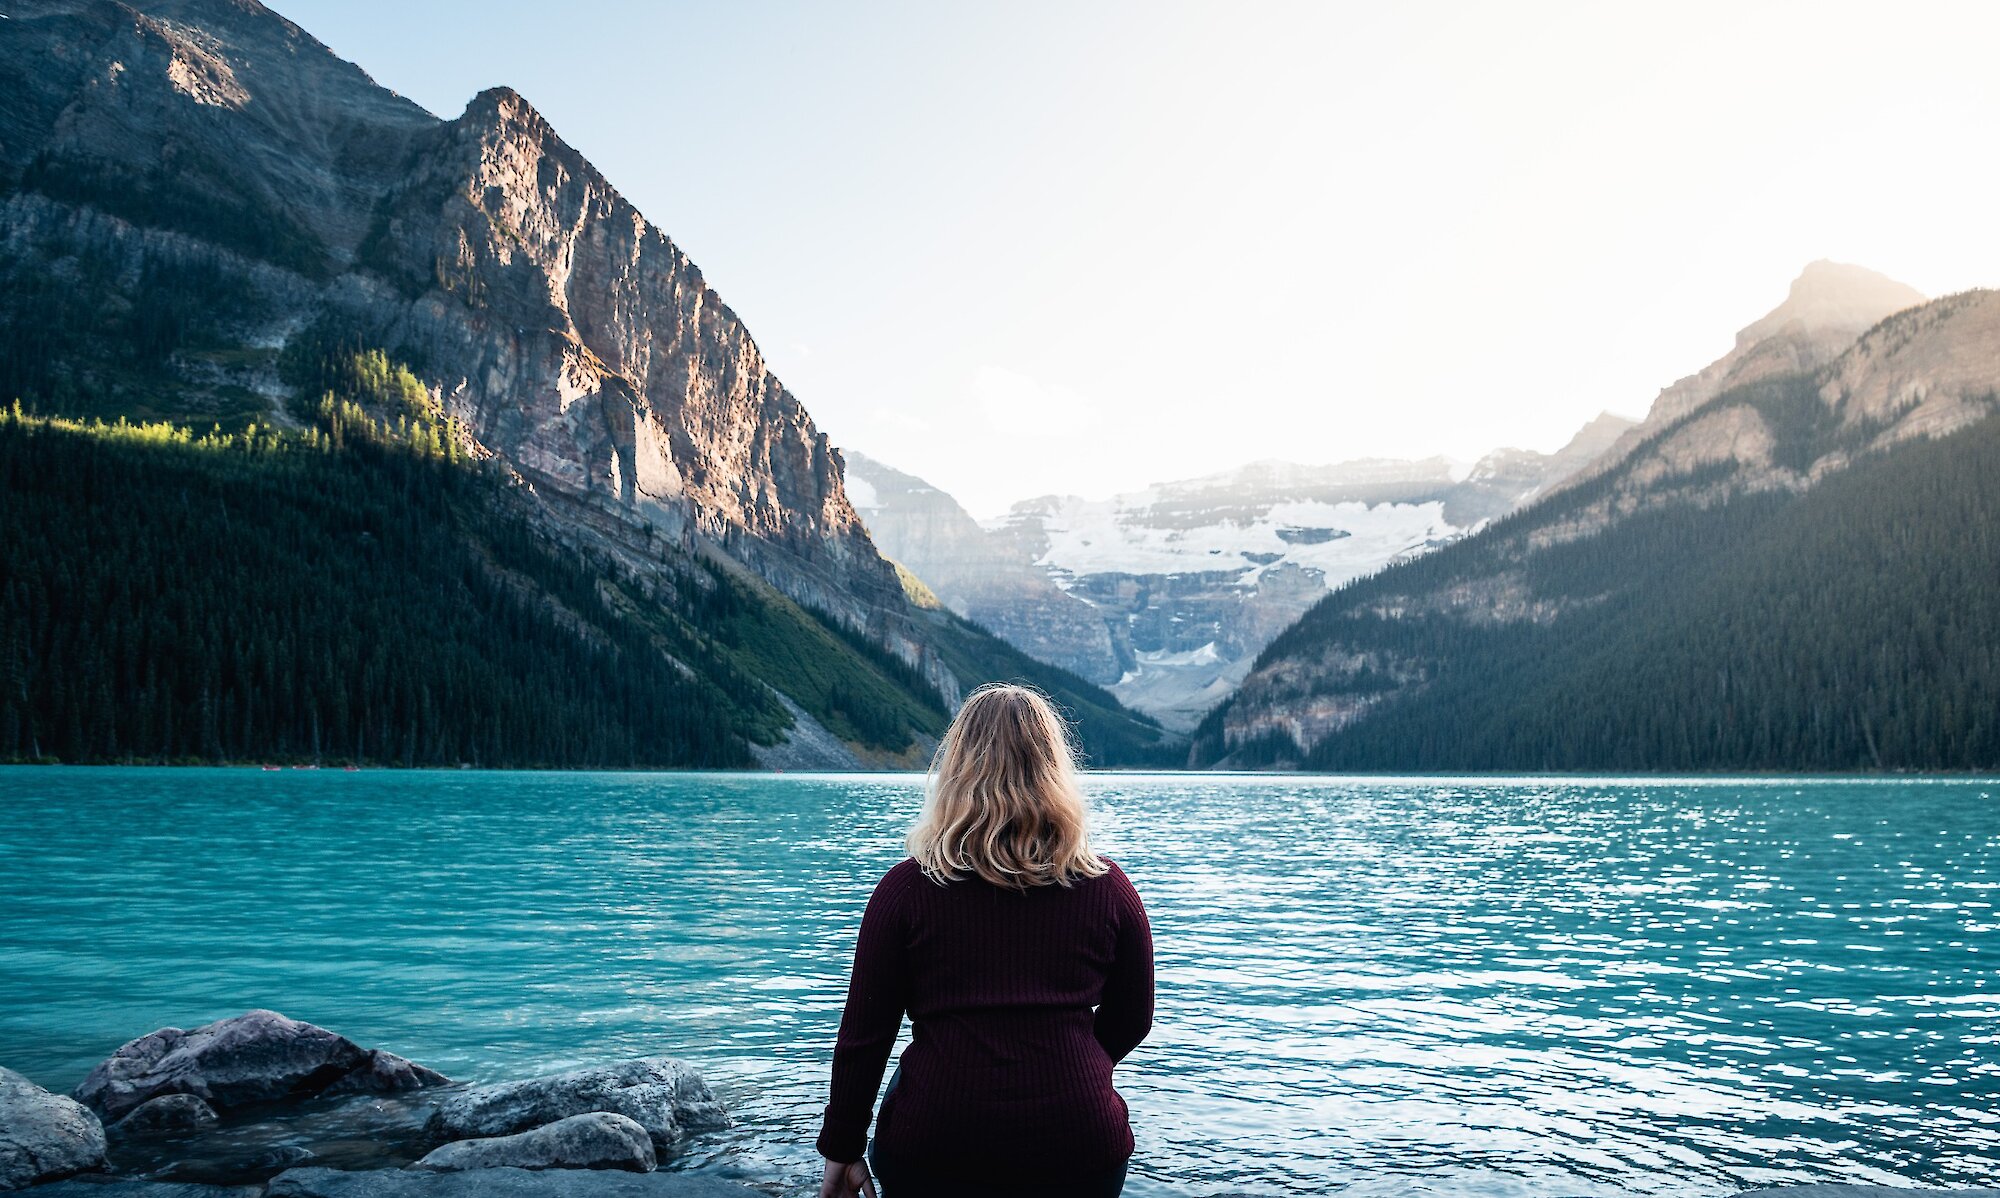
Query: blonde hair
{"points": [[1003, 801]]}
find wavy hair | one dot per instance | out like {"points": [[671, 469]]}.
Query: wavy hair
{"points": [[1002, 800]]}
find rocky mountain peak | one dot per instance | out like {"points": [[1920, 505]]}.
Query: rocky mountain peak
{"points": [[1833, 297], [503, 107], [1606, 422], [1827, 308]]}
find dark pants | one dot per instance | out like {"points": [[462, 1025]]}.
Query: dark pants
{"points": [[922, 1181], [899, 1182]]}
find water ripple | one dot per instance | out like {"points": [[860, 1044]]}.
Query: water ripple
{"points": [[1379, 986]]}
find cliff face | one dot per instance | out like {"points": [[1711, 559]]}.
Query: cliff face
{"points": [[216, 118], [576, 342], [1925, 373]]}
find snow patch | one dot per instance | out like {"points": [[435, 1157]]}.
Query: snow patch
{"points": [[1342, 541]]}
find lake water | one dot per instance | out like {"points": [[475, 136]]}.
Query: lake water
{"points": [[1378, 986]]}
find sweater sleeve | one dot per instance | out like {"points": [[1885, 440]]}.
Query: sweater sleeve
{"points": [[876, 997], [1125, 1014]]}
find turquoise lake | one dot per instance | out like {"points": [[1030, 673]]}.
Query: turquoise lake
{"points": [[1372, 986]]}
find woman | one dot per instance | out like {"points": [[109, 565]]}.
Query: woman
{"points": [[1026, 966]]}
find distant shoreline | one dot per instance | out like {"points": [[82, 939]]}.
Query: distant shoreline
{"points": [[1608, 776]]}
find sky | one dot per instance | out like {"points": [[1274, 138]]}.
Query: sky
{"points": [[1076, 247]]}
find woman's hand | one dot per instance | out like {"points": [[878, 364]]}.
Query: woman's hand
{"points": [[847, 1181]]}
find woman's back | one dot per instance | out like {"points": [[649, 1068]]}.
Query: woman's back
{"points": [[1020, 1003], [1025, 964]]}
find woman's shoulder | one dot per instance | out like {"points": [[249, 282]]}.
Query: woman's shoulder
{"points": [[1115, 880], [894, 892], [902, 877]]}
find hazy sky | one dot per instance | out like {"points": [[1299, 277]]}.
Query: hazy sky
{"points": [[1028, 247]]}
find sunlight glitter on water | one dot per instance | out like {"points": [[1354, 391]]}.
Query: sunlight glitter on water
{"points": [[1383, 986]]}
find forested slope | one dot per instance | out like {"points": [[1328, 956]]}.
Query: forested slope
{"points": [[1855, 627], [254, 598], [357, 593], [1796, 573]]}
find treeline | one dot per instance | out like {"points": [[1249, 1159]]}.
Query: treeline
{"points": [[1856, 626], [249, 597]]}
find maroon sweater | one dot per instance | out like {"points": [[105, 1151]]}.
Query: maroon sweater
{"points": [[1009, 1067]]}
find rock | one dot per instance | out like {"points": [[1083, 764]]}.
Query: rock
{"points": [[370, 1131], [165, 1115], [500, 1183], [285, 1156], [257, 1057], [662, 1095], [99, 1185], [219, 1166], [386, 1073], [600, 1140], [44, 1136]]}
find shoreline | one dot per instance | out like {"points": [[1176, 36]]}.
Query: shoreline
{"points": [[262, 1106]]}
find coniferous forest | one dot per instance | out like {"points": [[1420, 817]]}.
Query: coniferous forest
{"points": [[172, 598]]}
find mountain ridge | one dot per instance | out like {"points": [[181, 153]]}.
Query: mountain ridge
{"points": [[1557, 600], [1825, 310]]}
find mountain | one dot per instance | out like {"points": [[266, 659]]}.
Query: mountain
{"points": [[1794, 573], [976, 574], [1828, 307], [209, 220], [1166, 595]]}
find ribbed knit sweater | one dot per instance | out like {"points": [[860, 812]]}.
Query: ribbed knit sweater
{"points": [[1020, 1002]]}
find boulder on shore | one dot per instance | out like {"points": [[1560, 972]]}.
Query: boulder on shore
{"points": [[500, 1183], [44, 1136], [599, 1140], [664, 1096], [257, 1057], [165, 1115]]}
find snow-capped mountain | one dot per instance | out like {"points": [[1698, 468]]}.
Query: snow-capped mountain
{"points": [[1166, 595]]}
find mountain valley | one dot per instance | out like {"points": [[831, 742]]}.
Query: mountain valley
{"points": [[1165, 596]]}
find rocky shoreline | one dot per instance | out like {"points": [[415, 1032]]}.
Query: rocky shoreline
{"points": [[262, 1106]]}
